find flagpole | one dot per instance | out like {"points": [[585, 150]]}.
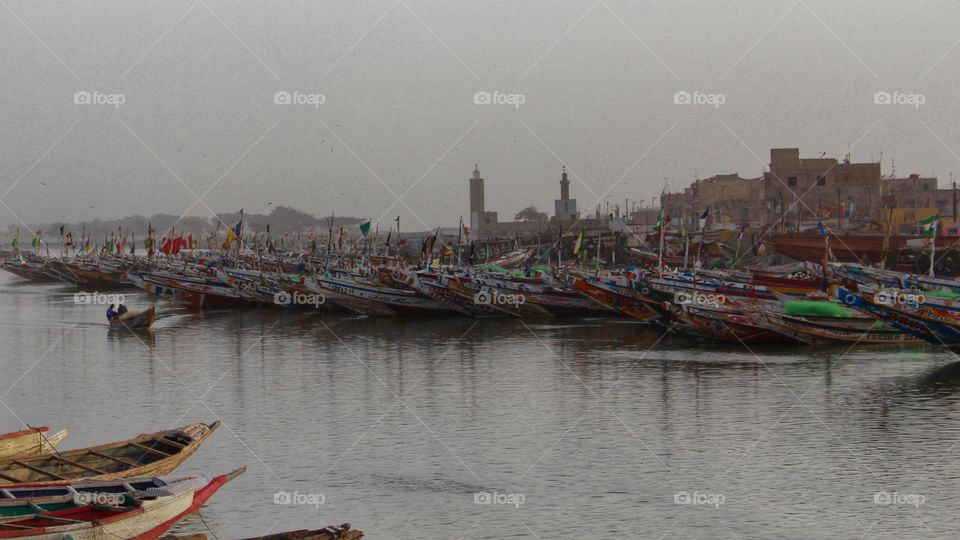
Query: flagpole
{"points": [[660, 252], [686, 247], [933, 246]]}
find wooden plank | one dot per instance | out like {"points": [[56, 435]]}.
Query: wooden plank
{"points": [[171, 442], [126, 462], [151, 450], [39, 470], [13, 479], [75, 464]]}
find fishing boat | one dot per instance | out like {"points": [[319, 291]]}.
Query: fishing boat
{"points": [[398, 302], [333, 532], [615, 294], [29, 442], [135, 320], [152, 454], [141, 515], [192, 292], [819, 322], [30, 270]]}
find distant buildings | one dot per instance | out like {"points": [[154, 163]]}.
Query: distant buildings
{"points": [[794, 194], [806, 189], [732, 200]]}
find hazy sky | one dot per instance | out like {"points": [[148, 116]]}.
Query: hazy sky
{"points": [[398, 79]]}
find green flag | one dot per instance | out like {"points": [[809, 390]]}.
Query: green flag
{"points": [[929, 226], [364, 228], [579, 245]]}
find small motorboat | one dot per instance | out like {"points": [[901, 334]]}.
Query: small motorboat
{"points": [[135, 319]]}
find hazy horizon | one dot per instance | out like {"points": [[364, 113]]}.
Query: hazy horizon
{"points": [[398, 78]]}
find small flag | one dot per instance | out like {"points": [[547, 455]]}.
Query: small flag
{"points": [[579, 245], [16, 239], [365, 228], [703, 218], [928, 227], [823, 230]]}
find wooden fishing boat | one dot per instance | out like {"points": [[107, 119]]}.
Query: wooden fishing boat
{"points": [[194, 293], [557, 300], [399, 302], [150, 454], [723, 324], [829, 330], [135, 320], [30, 271], [612, 296], [29, 442], [141, 515], [470, 289], [332, 532], [431, 285]]}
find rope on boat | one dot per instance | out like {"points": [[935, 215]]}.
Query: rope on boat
{"points": [[207, 526]]}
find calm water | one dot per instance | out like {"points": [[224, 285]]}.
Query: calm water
{"points": [[595, 426]]}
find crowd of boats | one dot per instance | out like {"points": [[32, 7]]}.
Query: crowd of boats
{"points": [[116, 490], [804, 302]]}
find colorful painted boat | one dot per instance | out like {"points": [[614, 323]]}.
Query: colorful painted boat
{"points": [[141, 515]]}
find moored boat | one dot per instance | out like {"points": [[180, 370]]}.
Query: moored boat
{"points": [[29, 442], [152, 454]]}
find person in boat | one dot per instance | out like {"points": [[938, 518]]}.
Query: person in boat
{"points": [[122, 310], [112, 313]]}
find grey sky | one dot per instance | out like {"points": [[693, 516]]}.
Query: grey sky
{"points": [[399, 77]]}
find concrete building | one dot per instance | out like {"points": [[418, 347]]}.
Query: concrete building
{"points": [[805, 189], [731, 199], [915, 191]]}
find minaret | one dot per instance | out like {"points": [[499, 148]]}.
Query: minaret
{"points": [[476, 201], [565, 208], [564, 185]]}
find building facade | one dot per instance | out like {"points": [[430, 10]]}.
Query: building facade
{"points": [[806, 189]]}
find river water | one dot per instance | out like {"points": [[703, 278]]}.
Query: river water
{"points": [[483, 429]]}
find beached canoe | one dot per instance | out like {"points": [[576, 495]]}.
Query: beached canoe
{"points": [[139, 515], [152, 454], [29, 442], [136, 319]]}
